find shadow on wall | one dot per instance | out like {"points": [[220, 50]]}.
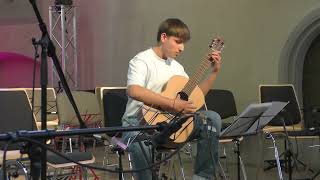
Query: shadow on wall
{"points": [[16, 71]]}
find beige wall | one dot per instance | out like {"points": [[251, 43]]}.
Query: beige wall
{"points": [[255, 33], [113, 31]]}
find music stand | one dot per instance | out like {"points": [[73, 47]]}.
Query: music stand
{"points": [[250, 122], [253, 119]]}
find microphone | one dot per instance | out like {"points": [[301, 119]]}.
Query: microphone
{"points": [[167, 129]]}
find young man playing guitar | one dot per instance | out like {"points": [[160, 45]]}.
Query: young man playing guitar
{"points": [[148, 75]]}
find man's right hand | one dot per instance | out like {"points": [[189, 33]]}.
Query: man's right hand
{"points": [[185, 107]]}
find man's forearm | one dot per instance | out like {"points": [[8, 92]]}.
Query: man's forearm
{"points": [[207, 84], [149, 97]]}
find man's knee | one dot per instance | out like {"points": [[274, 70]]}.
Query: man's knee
{"points": [[213, 119]]}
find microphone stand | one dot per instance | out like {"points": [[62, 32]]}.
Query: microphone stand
{"points": [[48, 49]]}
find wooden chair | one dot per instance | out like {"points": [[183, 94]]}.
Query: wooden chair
{"points": [[52, 116], [89, 109]]}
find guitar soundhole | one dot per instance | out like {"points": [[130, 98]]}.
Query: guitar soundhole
{"points": [[183, 96]]}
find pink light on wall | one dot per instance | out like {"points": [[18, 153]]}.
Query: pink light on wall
{"points": [[16, 71]]}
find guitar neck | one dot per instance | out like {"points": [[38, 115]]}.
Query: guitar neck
{"points": [[216, 44], [196, 77]]}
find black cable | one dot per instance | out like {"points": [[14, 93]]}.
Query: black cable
{"points": [[295, 156], [36, 55], [4, 159], [290, 149], [99, 168]]}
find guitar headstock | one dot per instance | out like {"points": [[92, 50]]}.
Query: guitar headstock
{"points": [[217, 44]]}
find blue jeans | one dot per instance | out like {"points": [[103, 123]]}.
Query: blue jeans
{"points": [[207, 126]]}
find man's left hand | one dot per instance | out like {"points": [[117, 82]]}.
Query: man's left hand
{"points": [[215, 58]]}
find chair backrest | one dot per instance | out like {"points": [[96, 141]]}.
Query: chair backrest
{"points": [[284, 93], [51, 103], [88, 107], [113, 104], [15, 112], [221, 101]]}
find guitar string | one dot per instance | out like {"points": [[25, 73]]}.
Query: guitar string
{"points": [[201, 70]]}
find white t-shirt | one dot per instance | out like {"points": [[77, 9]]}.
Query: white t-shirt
{"points": [[148, 70]]}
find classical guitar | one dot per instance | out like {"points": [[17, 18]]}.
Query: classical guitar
{"points": [[186, 89]]}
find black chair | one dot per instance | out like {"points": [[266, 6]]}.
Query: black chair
{"points": [[223, 102], [288, 122], [16, 115], [114, 101], [291, 113]]}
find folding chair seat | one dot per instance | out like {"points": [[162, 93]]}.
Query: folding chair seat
{"points": [[64, 168]]}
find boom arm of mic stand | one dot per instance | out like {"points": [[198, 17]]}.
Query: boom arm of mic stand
{"points": [[53, 55], [49, 49]]}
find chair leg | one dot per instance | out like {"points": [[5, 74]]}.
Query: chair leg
{"points": [[243, 169], [222, 171], [105, 161], [171, 170], [162, 168], [130, 165], [181, 167], [260, 162]]}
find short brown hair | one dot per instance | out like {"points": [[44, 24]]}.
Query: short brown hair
{"points": [[174, 27]]}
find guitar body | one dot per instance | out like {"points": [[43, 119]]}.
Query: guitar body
{"points": [[175, 85]]}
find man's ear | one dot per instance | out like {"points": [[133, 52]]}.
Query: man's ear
{"points": [[163, 37]]}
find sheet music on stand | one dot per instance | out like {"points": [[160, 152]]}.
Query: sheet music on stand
{"points": [[253, 119]]}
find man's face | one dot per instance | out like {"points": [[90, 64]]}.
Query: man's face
{"points": [[171, 46]]}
